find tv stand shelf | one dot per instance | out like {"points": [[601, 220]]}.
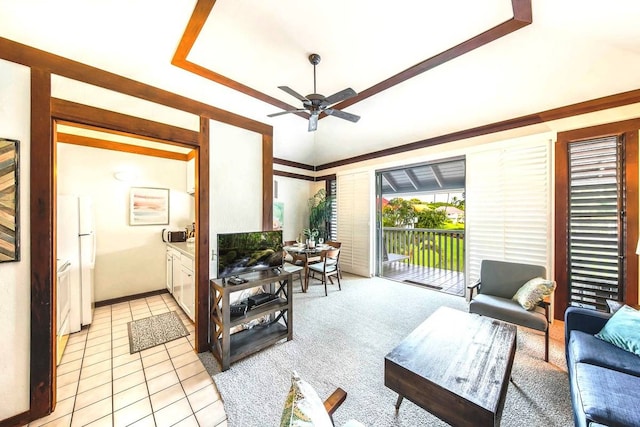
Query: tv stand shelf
{"points": [[228, 348]]}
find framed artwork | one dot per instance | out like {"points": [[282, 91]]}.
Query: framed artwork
{"points": [[278, 215], [148, 206], [9, 204]]}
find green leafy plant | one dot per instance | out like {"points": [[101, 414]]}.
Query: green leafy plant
{"points": [[431, 218], [310, 233], [320, 214], [399, 213]]}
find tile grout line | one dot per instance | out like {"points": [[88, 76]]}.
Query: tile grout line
{"points": [[186, 396], [146, 383]]}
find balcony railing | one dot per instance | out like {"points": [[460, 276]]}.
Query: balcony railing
{"points": [[425, 247]]}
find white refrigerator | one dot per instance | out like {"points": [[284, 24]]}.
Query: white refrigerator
{"points": [[76, 241]]}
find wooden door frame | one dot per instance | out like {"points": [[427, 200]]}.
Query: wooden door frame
{"points": [[43, 66], [629, 129]]}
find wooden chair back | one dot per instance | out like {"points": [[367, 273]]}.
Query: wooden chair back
{"points": [[333, 244]]}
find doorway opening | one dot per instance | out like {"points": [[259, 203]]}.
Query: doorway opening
{"points": [[104, 167], [420, 224]]}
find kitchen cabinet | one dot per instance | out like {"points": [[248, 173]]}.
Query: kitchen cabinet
{"points": [[171, 255], [180, 276], [191, 175], [187, 297]]}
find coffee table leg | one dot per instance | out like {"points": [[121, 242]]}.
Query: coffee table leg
{"points": [[398, 402]]}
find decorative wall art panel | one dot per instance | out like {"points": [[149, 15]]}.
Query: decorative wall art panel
{"points": [[9, 206]]}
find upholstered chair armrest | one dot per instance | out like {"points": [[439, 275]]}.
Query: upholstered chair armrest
{"points": [[582, 319], [334, 401], [476, 286]]}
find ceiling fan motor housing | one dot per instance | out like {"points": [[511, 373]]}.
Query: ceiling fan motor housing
{"points": [[314, 58], [316, 101]]}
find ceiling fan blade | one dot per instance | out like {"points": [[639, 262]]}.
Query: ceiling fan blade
{"points": [[342, 114], [294, 93], [340, 96], [313, 122], [299, 110]]}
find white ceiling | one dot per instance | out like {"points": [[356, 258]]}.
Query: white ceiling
{"points": [[574, 51]]}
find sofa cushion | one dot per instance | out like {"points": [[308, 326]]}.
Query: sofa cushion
{"points": [[586, 348], [623, 330], [533, 292], [608, 397], [509, 311]]}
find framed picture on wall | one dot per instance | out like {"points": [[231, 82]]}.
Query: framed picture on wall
{"points": [[148, 206], [278, 215], [9, 206]]}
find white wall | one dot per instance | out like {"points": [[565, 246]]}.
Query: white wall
{"points": [[235, 182], [294, 194], [15, 277], [129, 259]]}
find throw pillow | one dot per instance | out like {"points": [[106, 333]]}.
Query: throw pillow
{"points": [[623, 330], [534, 291], [614, 305], [303, 407]]}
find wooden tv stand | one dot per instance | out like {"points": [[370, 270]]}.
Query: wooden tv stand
{"points": [[228, 348]]}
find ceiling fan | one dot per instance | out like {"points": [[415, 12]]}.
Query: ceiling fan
{"points": [[314, 103]]}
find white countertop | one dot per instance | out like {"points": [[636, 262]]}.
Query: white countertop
{"points": [[187, 248]]}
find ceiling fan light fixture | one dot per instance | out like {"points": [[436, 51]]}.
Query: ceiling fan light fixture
{"points": [[315, 103]]}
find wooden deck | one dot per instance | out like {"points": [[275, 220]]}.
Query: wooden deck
{"points": [[451, 282]]}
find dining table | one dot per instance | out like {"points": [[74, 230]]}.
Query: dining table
{"points": [[307, 255]]}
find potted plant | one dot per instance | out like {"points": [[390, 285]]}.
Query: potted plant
{"points": [[311, 234], [320, 213]]}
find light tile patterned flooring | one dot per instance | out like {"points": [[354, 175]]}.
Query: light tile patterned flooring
{"points": [[100, 384]]}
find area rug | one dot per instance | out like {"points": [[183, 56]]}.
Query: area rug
{"points": [[155, 330], [341, 341]]}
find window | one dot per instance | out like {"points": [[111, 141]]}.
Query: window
{"points": [[332, 191], [508, 199], [596, 216], [595, 262]]}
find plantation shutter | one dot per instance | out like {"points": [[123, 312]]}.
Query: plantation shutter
{"points": [[354, 219], [333, 223], [594, 203], [508, 199]]}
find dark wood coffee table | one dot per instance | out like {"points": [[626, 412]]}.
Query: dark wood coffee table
{"points": [[455, 365]]}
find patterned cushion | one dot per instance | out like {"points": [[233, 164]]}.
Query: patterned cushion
{"points": [[534, 291], [623, 330], [303, 407]]}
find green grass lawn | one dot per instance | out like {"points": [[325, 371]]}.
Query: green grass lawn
{"points": [[428, 257]]}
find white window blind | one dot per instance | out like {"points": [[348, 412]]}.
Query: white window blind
{"points": [[508, 206], [354, 216]]}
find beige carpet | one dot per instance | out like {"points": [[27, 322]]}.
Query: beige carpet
{"points": [[341, 341]]}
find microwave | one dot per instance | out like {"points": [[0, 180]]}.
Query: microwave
{"points": [[174, 236]]}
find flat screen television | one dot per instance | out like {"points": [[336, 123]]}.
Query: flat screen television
{"points": [[240, 253]]}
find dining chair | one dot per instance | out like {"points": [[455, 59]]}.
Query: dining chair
{"points": [[327, 268], [293, 269], [336, 245], [293, 258]]}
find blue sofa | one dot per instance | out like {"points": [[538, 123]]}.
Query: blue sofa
{"points": [[604, 380]]}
